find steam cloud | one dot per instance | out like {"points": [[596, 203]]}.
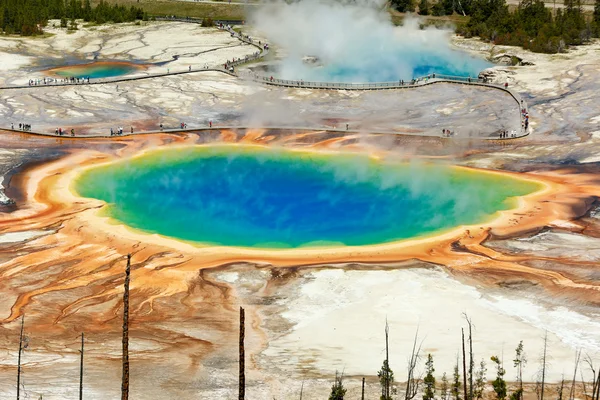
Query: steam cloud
{"points": [[357, 42]]}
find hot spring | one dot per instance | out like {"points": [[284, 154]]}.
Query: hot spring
{"points": [[357, 42], [259, 197], [101, 69]]}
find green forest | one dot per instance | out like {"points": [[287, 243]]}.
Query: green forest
{"points": [[29, 17], [531, 25]]}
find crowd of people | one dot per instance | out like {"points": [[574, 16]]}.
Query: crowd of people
{"points": [[22, 127], [48, 81], [118, 131], [60, 132]]}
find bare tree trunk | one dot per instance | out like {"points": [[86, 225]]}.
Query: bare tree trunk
{"points": [[464, 365], [125, 378], [471, 361], [597, 396], [362, 397], [544, 365], [301, 389], [81, 370], [387, 361], [19, 358], [585, 395], [597, 391], [412, 385], [572, 392], [242, 391]]}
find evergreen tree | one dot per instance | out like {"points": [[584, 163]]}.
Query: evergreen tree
{"points": [[337, 390], [28, 17], [424, 7], [597, 17], [499, 383], [480, 381], [429, 380], [404, 5], [386, 377], [519, 362], [456, 384], [444, 388]]}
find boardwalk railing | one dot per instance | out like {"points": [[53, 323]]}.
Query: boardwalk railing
{"points": [[228, 67]]}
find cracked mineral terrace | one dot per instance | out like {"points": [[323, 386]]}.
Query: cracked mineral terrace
{"points": [[308, 313]]}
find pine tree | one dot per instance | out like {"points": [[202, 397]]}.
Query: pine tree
{"points": [[480, 381], [597, 17], [519, 362], [499, 383], [429, 380], [444, 388], [337, 390], [456, 384], [424, 7], [386, 377]]}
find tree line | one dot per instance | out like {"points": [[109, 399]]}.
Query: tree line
{"points": [[531, 25], [29, 17], [468, 382]]}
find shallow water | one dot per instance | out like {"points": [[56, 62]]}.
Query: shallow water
{"points": [[96, 70], [255, 197], [398, 64]]}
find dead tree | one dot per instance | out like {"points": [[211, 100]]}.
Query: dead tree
{"points": [[81, 369], [464, 357], [471, 359], [412, 384], [362, 397], [572, 391], [595, 380], [387, 361], [301, 389], [242, 391], [544, 365], [19, 358], [125, 379]]}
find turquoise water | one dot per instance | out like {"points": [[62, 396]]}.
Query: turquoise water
{"points": [[388, 66], [96, 70], [255, 197], [404, 65]]}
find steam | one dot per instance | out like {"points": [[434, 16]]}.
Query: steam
{"points": [[357, 42]]}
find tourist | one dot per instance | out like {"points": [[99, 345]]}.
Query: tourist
{"points": [[210, 124], [56, 131], [20, 126], [59, 131], [112, 133], [347, 126], [161, 127], [12, 126], [132, 129], [505, 85], [190, 68], [72, 132]]}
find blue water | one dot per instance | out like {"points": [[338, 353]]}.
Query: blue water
{"points": [[104, 69], [254, 197], [451, 63]]}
